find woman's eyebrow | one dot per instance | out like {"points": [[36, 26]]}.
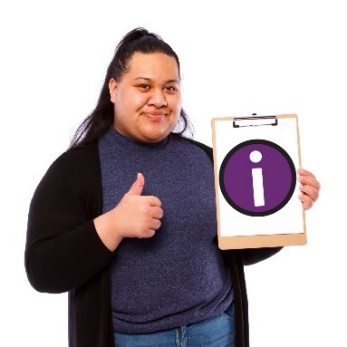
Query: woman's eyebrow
{"points": [[173, 80]]}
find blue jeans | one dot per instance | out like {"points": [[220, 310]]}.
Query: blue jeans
{"points": [[213, 332]]}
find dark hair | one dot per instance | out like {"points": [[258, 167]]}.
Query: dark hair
{"points": [[137, 40]]}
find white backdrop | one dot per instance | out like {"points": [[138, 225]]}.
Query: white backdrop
{"points": [[238, 57]]}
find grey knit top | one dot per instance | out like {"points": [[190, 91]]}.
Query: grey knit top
{"points": [[178, 276]]}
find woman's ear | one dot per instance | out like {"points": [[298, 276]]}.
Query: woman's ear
{"points": [[112, 87]]}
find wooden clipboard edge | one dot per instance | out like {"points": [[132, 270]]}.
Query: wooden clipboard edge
{"points": [[300, 166], [256, 241], [260, 241]]}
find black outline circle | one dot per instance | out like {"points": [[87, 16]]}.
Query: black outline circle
{"points": [[223, 167]]}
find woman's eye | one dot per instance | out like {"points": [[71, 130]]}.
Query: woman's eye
{"points": [[144, 86], [171, 88]]}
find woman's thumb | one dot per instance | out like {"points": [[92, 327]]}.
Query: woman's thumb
{"points": [[137, 186]]}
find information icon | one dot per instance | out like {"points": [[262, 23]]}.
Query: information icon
{"points": [[257, 177]]}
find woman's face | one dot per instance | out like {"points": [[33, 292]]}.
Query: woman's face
{"points": [[147, 99]]}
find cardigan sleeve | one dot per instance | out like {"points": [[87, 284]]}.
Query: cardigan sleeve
{"points": [[63, 250], [255, 255]]}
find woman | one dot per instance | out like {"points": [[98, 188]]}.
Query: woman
{"points": [[125, 219]]}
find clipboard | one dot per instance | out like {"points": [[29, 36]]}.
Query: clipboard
{"points": [[256, 187]]}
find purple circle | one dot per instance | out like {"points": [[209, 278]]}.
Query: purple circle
{"points": [[278, 177]]}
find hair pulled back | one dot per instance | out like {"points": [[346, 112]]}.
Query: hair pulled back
{"points": [[101, 118]]}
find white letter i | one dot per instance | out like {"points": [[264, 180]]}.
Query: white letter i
{"points": [[258, 184]]}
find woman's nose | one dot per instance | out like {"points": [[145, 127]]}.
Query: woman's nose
{"points": [[158, 98]]}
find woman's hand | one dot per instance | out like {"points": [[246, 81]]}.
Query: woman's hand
{"points": [[309, 187], [135, 216]]}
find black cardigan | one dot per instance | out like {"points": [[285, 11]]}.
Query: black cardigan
{"points": [[65, 254]]}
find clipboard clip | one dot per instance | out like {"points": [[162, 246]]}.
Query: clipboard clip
{"points": [[254, 120]]}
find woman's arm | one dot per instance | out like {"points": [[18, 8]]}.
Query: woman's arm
{"points": [[63, 250]]}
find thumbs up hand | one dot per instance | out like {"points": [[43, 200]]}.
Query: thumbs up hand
{"points": [[134, 216], [137, 215]]}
